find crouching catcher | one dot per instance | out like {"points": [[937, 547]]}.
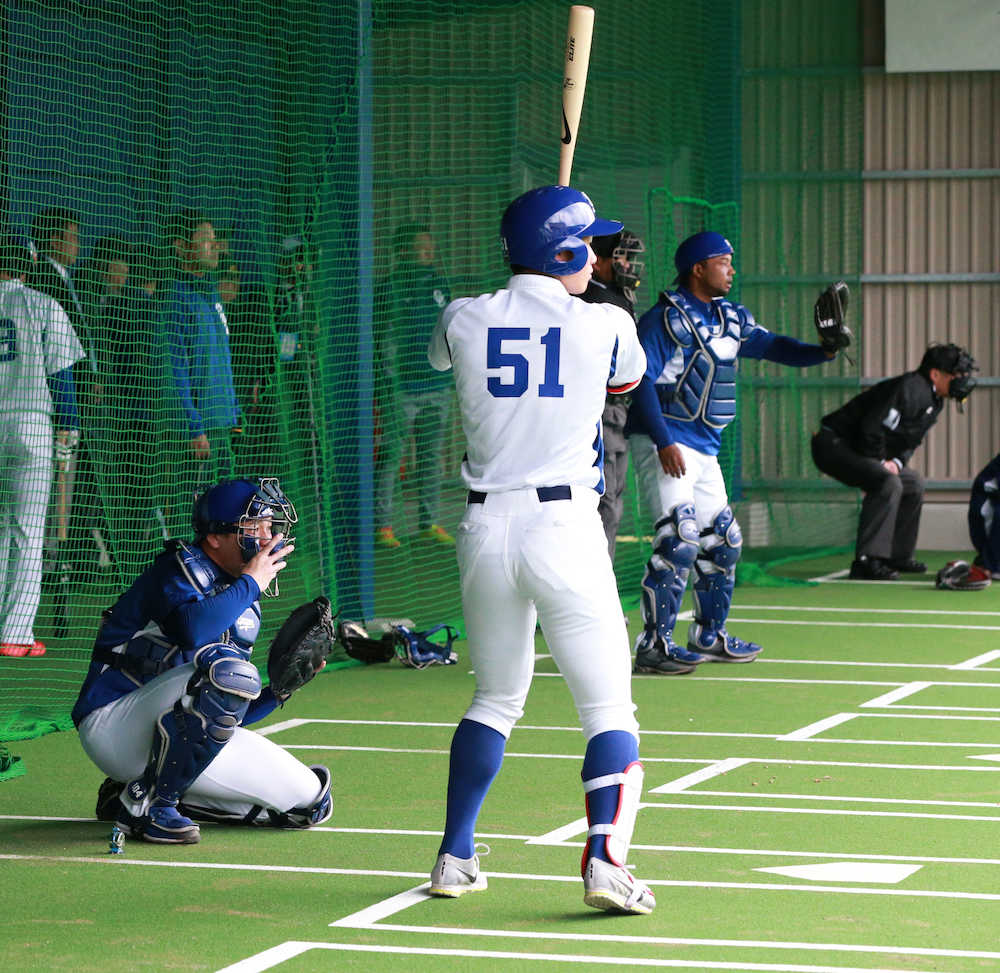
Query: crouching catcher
{"points": [[171, 686]]}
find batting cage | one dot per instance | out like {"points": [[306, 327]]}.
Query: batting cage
{"points": [[351, 161]]}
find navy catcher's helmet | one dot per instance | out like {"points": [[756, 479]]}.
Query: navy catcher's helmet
{"points": [[227, 508], [699, 247], [544, 222]]}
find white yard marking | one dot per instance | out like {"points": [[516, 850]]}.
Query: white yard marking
{"points": [[270, 958], [901, 692], [980, 660], [895, 612], [562, 958], [829, 623], [836, 812], [807, 732], [833, 576], [559, 835], [697, 776], [772, 795], [385, 908], [865, 872]]}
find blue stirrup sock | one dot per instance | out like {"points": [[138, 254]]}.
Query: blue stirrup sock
{"points": [[476, 755], [607, 754]]}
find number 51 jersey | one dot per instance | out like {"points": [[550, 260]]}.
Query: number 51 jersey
{"points": [[532, 367]]}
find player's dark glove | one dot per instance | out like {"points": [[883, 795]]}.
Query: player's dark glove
{"points": [[300, 647], [358, 644], [829, 314]]}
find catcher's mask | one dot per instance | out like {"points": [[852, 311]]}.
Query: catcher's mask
{"points": [[623, 248], [237, 507]]}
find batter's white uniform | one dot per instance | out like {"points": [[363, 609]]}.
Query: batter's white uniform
{"points": [[36, 340], [532, 366]]}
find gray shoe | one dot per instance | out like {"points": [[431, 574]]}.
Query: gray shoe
{"points": [[453, 876], [725, 648], [663, 656], [615, 889]]}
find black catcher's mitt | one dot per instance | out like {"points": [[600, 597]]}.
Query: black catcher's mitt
{"points": [[360, 645], [829, 314], [300, 647]]}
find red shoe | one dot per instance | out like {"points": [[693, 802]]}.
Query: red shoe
{"points": [[18, 650]]}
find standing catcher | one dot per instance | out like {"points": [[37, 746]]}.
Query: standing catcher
{"points": [[532, 365], [693, 337], [171, 685]]}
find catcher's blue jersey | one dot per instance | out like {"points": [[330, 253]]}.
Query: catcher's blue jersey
{"points": [[688, 393], [181, 602]]}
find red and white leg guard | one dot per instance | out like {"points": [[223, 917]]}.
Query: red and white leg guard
{"points": [[617, 832]]}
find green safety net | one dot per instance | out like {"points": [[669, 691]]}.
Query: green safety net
{"points": [[353, 160]]}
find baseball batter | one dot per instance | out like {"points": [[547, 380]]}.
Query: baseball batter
{"points": [[693, 337], [37, 350], [171, 684], [531, 366]]}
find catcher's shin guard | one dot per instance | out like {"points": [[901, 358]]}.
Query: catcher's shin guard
{"points": [[675, 547], [617, 832], [188, 738], [320, 810], [715, 577]]}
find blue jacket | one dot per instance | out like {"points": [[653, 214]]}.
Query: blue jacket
{"points": [[198, 346]]}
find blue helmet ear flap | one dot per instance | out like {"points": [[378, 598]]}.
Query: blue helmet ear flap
{"points": [[542, 223]]}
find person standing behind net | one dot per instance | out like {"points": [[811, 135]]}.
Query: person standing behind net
{"points": [[200, 357], [420, 402], [38, 348], [693, 337], [868, 442], [616, 276], [532, 365]]}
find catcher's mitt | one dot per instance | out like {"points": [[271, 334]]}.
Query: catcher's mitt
{"points": [[299, 649], [829, 314]]}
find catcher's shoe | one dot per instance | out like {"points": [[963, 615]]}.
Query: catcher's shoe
{"points": [[615, 889], [385, 537], [109, 806], [165, 825], [453, 876], [726, 648], [663, 656], [907, 565]]}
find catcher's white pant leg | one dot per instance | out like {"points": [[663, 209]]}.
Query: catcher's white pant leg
{"points": [[702, 483], [249, 770]]}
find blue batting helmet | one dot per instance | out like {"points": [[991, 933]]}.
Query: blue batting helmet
{"points": [[227, 506], [544, 222], [699, 247]]}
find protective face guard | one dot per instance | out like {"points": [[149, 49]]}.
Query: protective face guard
{"points": [[963, 381], [268, 503], [627, 248]]}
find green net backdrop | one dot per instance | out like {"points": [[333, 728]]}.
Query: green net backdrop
{"points": [[330, 144]]}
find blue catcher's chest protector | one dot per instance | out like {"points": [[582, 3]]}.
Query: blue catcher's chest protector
{"points": [[706, 386]]}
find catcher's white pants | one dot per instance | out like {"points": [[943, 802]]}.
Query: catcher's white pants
{"points": [[702, 484], [523, 560], [250, 769]]}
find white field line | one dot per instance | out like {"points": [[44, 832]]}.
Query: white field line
{"points": [[697, 776], [840, 812], [807, 732], [257, 964], [675, 940], [869, 611], [832, 576], [844, 662], [976, 661], [829, 623], [901, 692], [769, 795]]}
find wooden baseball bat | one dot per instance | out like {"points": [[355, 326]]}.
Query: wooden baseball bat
{"points": [[578, 38]]}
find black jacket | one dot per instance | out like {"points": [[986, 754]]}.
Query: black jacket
{"points": [[889, 420]]}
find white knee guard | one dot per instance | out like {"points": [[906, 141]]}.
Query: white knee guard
{"points": [[619, 832]]}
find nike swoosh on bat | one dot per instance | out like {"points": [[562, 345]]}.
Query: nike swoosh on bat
{"points": [[567, 135]]}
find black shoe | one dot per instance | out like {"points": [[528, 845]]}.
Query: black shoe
{"points": [[108, 805], [906, 565], [872, 569]]}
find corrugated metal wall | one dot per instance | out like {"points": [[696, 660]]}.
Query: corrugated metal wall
{"points": [[932, 247]]}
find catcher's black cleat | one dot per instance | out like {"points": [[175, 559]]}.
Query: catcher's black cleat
{"points": [[663, 659], [108, 804]]}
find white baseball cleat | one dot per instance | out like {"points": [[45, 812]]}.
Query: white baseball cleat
{"points": [[453, 876], [615, 889]]}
